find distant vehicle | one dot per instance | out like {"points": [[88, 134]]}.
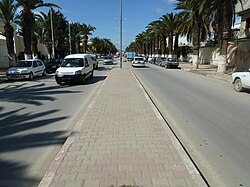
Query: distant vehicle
{"points": [[107, 59], [171, 62], [138, 62], [52, 65], [241, 79], [75, 68], [130, 56], [95, 61], [26, 69]]}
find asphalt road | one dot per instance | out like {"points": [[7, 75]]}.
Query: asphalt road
{"points": [[36, 117], [210, 119]]}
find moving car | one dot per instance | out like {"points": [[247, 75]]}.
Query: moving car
{"points": [[26, 69], [75, 68], [107, 60], [241, 79], [171, 62], [52, 65], [138, 62]]}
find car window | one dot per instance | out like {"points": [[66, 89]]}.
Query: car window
{"points": [[72, 62], [35, 64], [86, 62], [24, 63], [39, 63]]}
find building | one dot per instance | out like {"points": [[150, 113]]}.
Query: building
{"points": [[19, 47]]}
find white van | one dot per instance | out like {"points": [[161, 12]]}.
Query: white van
{"points": [[76, 67]]}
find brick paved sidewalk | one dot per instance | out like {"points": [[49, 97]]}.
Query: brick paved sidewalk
{"points": [[121, 140]]}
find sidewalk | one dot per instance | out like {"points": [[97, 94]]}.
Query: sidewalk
{"points": [[121, 139], [206, 70]]}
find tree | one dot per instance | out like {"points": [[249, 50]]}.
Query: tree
{"points": [[85, 31], [28, 20], [7, 16]]}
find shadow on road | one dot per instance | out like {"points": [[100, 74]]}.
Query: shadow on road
{"points": [[31, 94], [13, 173]]}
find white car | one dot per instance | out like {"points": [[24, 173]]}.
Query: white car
{"points": [[75, 68], [26, 69], [241, 80], [138, 62]]}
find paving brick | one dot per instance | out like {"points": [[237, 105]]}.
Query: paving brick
{"points": [[120, 140]]}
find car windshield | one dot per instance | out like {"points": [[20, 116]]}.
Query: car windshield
{"points": [[24, 63], [139, 59], [107, 57], [72, 62], [163, 58], [171, 59]]}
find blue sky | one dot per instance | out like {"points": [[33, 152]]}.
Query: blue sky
{"points": [[104, 15]]}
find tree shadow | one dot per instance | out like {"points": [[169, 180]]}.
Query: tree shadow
{"points": [[12, 174], [14, 137], [31, 94]]}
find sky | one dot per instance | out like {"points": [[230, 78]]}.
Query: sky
{"points": [[104, 15]]}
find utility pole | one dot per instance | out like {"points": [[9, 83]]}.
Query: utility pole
{"points": [[120, 33], [52, 34]]}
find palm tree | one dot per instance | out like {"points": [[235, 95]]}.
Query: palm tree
{"points": [[85, 31], [195, 25], [224, 12], [28, 19], [169, 24], [7, 16]]}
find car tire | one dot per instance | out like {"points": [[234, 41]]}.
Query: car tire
{"points": [[44, 73], [238, 85], [59, 81], [31, 76], [92, 74], [83, 78]]}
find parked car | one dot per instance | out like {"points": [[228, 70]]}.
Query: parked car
{"points": [[138, 62], [75, 68], [52, 65], [171, 62], [107, 59], [26, 69], [241, 79]]}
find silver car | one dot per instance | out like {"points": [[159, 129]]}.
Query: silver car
{"points": [[171, 62], [138, 62], [26, 69]]}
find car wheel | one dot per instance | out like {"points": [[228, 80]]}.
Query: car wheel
{"points": [[59, 81], [44, 73], [92, 74], [31, 76], [238, 85], [83, 78]]}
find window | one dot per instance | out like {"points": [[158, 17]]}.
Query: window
{"points": [[247, 23], [35, 64], [86, 62], [39, 63]]}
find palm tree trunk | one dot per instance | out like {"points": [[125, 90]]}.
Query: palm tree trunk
{"points": [[170, 44], [28, 25], [9, 31], [176, 44], [226, 24], [196, 44]]}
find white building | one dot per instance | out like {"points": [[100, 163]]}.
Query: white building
{"points": [[19, 47]]}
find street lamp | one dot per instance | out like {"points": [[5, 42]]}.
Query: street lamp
{"points": [[120, 33]]}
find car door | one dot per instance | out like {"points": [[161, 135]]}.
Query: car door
{"points": [[40, 67], [35, 68], [86, 65]]}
